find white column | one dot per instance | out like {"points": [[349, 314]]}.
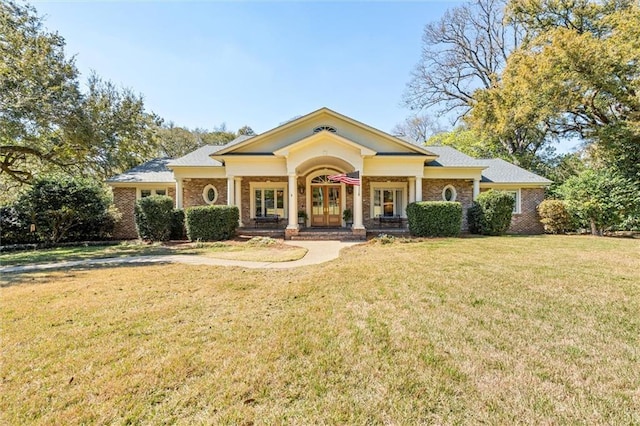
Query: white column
{"points": [[357, 207], [293, 202], [179, 193], [476, 188], [412, 189], [418, 188], [230, 191], [238, 198]]}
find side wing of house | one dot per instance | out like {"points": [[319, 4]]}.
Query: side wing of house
{"points": [[150, 178]]}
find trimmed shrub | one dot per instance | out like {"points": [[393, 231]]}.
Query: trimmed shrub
{"points": [[63, 209], [554, 216], [211, 223], [435, 218], [154, 217], [491, 213], [178, 231]]}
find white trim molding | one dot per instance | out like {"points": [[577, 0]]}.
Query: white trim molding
{"points": [[205, 194], [402, 186], [454, 193], [277, 186]]}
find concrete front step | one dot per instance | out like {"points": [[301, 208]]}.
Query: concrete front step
{"points": [[340, 235]]}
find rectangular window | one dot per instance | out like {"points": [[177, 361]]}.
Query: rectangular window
{"points": [[516, 196], [388, 202], [149, 192], [269, 202]]}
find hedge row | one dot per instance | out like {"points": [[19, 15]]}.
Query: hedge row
{"points": [[211, 223], [435, 218]]}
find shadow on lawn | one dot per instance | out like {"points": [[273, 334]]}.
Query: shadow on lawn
{"points": [[10, 279]]}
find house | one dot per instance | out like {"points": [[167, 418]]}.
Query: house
{"points": [[285, 171]]}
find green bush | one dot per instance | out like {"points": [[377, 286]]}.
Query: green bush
{"points": [[14, 227], [154, 217], [62, 209], [178, 231], [554, 216], [491, 213], [211, 223], [434, 218]]}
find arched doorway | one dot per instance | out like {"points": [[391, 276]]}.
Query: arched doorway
{"points": [[326, 202]]}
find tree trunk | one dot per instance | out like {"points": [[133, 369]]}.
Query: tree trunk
{"points": [[594, 228]]}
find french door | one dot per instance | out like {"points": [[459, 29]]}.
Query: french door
{"points": [[325, 205]]}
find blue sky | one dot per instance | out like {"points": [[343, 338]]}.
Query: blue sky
{"points": [[200, 64]]}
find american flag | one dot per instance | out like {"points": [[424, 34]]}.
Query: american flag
{"points": [[352, 178]]}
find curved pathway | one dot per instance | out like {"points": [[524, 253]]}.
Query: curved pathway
{"points": [[318, 252]]}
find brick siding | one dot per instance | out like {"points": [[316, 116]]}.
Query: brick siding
{"points": [[125, 200], [246, 197], [527, 221], [432, 191], [192, 192], [367, 181]]}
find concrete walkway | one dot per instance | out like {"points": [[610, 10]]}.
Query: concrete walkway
{"points": [[318, 252]]}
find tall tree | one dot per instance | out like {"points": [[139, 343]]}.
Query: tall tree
{"points": [[577, 74], [470, 142], [39, 96], [418, 127], [125, 134], [463, 58], [246, 131], [175, 141], [465, 50], [47, 123]]}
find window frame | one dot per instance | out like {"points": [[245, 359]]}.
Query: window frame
{"points": [[153, 191], [387, 186], [205, 193], [517, 207], [453, 190], [276, 186]]}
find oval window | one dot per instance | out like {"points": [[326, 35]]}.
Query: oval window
{"points": [[210, 194], [449, 193]]}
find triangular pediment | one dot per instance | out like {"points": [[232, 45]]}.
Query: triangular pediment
{"points": [[301, 131], [324, 140]]}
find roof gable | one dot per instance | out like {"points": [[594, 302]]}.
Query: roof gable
{"points": [[303, 127]]}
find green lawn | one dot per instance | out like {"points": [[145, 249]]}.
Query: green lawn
{"points": [[509, 330], [260, 250]]}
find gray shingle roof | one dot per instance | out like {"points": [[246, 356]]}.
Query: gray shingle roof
{"points": [[152, 171], [451, 157], [501, 171], [201, 156]]}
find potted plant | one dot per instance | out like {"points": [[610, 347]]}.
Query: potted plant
{"points": [[347, 216], [302, 217]]}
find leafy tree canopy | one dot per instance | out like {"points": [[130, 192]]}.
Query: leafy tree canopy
{"points": [[47, 123], [601, 199], [577, 74], [39, 96]]}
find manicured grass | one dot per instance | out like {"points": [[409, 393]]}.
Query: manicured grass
{"points": [[513, 330], [236, 250]]}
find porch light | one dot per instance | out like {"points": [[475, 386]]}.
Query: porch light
{"points": [[301, 189]]}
